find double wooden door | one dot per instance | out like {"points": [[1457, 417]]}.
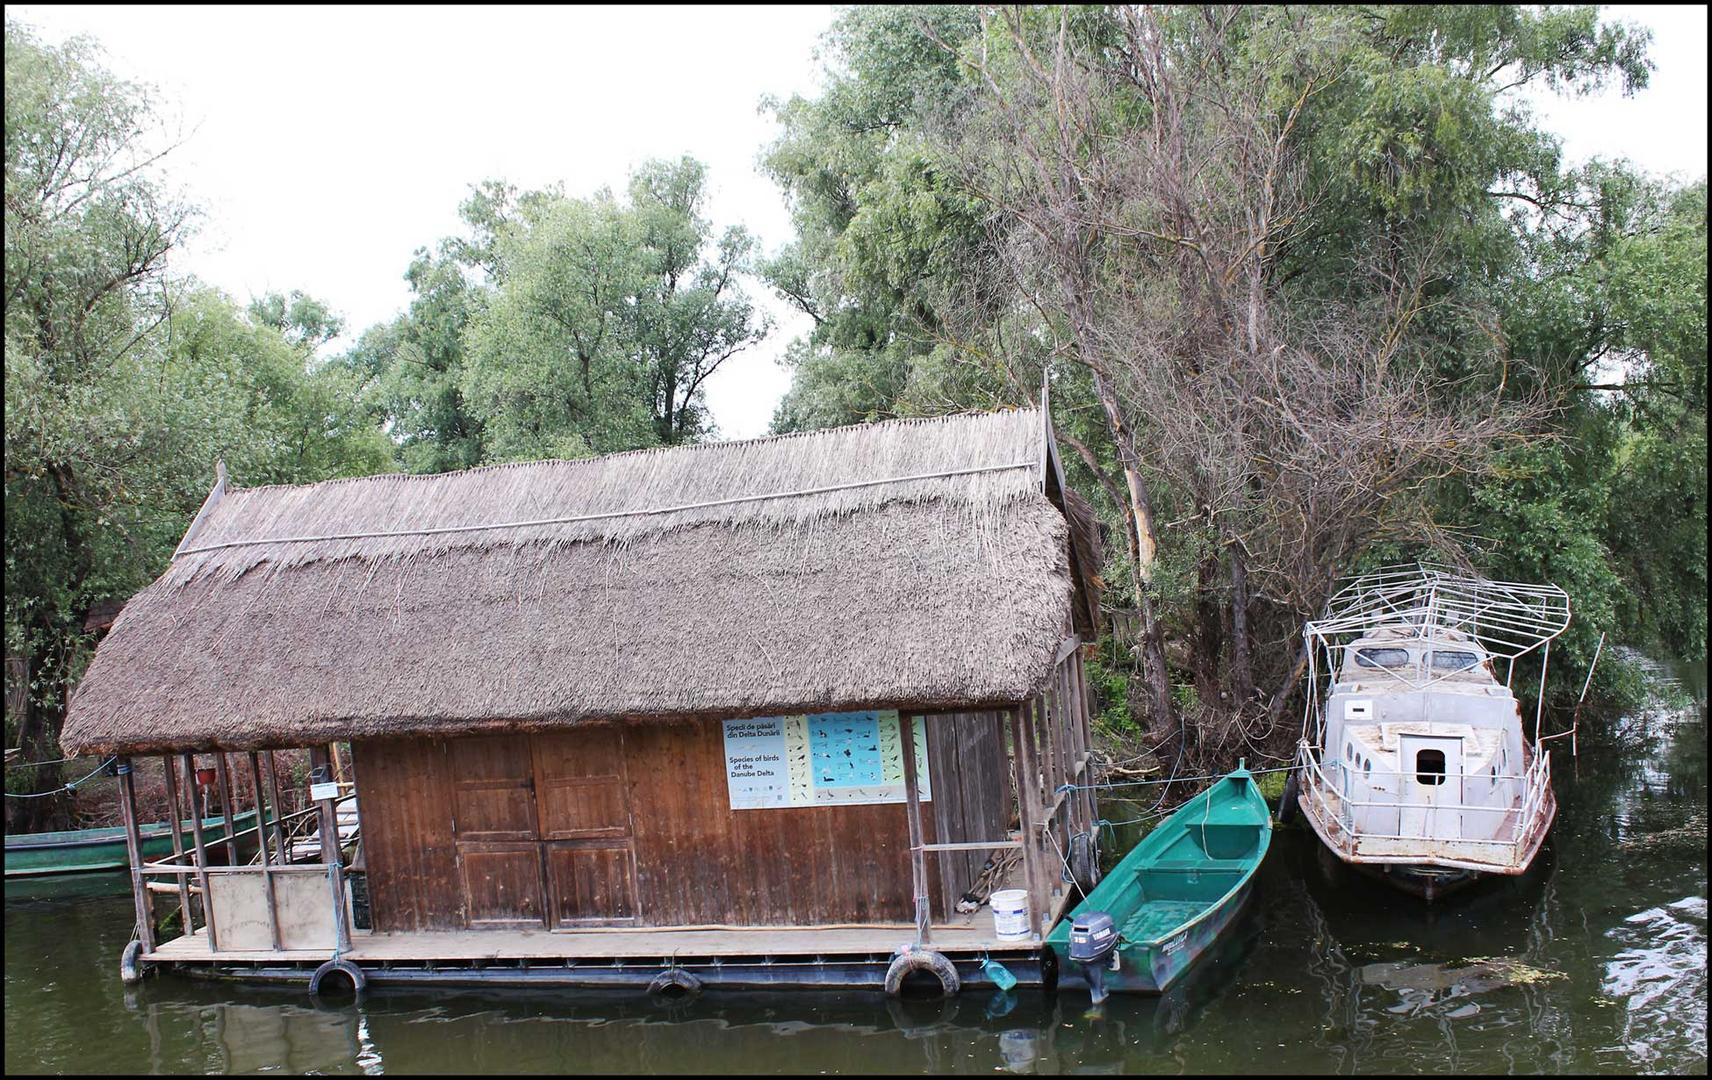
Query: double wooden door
{"points": [[542, 827]]}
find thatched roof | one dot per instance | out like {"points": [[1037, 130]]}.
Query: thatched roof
{"points": [[914, 563]]}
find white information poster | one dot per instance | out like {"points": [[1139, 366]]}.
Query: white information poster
{"points": [[822, 759]]}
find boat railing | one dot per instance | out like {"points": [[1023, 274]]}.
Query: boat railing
{"points": [[1328, 796]]}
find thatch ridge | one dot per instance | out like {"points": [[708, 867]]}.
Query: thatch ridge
{"points": [[622, 497], [645, 450]]}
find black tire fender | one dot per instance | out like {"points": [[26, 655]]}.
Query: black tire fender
{"points": [[912, 959], [1085, 861], [675, 979], [1287, 802], [359, 982], [131, 964]]}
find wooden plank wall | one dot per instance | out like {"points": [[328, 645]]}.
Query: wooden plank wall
{"points": [[696, 861], [972, 794], [404, 791]]}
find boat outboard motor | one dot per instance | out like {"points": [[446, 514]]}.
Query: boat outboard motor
{"points": [[1093, 938]]}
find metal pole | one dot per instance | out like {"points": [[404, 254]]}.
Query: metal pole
{"points": [[1575, 719], [202, 860], [134, 852], [912, 807], [1540, 706], [176, 824], [320, 766]]}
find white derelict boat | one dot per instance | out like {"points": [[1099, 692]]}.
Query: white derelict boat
{"points": [[1413, 761]]}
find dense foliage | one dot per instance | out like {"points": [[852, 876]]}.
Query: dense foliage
{"points": [[1196, 220], [555, 326], [124, 381], [563, 327]]}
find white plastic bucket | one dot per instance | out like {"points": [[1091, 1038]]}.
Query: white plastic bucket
{"points": [[1010, 914]]}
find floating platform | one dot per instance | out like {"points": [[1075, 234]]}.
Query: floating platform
{"points": [[756, 957]]}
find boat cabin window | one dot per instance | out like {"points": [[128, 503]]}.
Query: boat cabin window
{"points": [[1382, 658], [1454, 661], [1430, 766]]}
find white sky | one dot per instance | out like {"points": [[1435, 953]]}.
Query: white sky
{"points": [[326, 144]]}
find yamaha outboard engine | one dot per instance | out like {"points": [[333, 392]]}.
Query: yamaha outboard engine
{"points": [[1093, 939]]}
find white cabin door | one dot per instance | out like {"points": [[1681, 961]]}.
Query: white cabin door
{"points": [[1432, 781]]}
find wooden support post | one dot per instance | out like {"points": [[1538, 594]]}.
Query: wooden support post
{"points": [[1072, 752], [134, 852], [1048, 795], [176, 824], [1019, 768], [1028, 800], [225, 781], [912, 806], [1049, 708], [262, 847], [1085, 752], [320, 766], [202, 861], [1085, 724], [278, 808]]}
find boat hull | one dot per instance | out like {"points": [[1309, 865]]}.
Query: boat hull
{"points": [[85, 851], [1438, 868], [1155, 968], [1428, 883], [1177, 892]]}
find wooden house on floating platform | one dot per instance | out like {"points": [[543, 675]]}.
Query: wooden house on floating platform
{"points": [[749, 713]]}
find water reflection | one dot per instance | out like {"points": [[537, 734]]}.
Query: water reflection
{"points": [[1594, 960], [1660, 977]]}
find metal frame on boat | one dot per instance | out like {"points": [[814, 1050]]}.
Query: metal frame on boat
{"points": [[1409, 699]]}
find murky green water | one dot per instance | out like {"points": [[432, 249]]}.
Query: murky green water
{"points": [[1596, 961]]}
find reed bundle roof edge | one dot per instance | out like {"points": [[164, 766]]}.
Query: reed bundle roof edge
{"points": [[909, 563]]}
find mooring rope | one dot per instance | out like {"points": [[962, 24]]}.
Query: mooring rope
{"points": [[61, 790], [1173, 780]]}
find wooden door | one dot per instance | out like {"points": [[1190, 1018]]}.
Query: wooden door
{"points": [[1432, 787], [583, 802], [494, 820]]}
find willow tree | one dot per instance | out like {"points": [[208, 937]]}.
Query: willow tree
{"points": [[1276, 252], [607, 318], [124, 382]]}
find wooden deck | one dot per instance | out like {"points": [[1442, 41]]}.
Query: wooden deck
{"points": [[647, 943], [961, 936]]}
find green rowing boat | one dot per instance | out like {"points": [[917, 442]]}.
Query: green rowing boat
{"points": [[1175, 892], [79, 851]]}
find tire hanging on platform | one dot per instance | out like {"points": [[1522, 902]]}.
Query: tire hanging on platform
{"points": [[914, 959], [131, 963], [1287, 802]]}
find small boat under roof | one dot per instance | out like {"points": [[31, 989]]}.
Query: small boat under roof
{"points": [[82, 851], [1414, 762], [1172, 896]]}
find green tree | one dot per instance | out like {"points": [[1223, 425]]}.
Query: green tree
{"points": [[607, 317], [1364, 182], [123, 383]]}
